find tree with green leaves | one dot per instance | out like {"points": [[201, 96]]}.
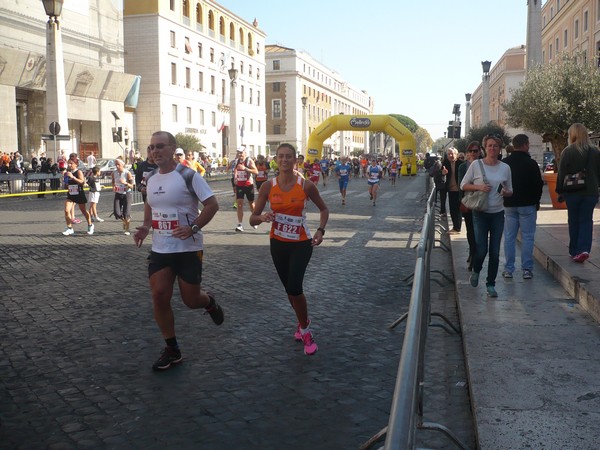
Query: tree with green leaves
{"points": [[189, 142], [423, 140], [554, 96]]}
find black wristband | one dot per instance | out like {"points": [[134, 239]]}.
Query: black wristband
{"points": [[322, 230]]}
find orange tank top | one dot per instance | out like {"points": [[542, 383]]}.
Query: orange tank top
{"points": [[289, 208], [263, 170]]}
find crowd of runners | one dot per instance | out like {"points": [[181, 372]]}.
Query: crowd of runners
{"points": [[277, 191]]}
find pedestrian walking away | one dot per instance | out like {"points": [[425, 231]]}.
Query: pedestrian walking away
{"points": [[579, 156], [520, 209], [171, 211], [492, 176], [290, 239], [76, 195]]}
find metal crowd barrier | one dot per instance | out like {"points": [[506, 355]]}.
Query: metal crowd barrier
{"points": [[406, 414], [19, 185]]}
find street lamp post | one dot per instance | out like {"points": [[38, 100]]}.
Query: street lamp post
{"points": [[56, 98], [304, 125], [485, 93], [233, 128], [467, 114]]}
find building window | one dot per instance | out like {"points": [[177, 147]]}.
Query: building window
{"points": [[565, 39], [250, 95], [173, 73], [557, 46], [597, 10], [250, 69], [212, 55], [258, 74], [276, 109], [276, 129], [186, 8], [189, 115], [257, 98], [585, 21], [258, 126], [550, 52], [276, 86], [201, 81], [241, 67], [212, 84], [188, 47], [201, 117], [576, 28], [242, 93], [213, 119], [173, 40], [251, 124], [188, 78], [200, 50], [172, 5], [174, 113], [276, 64]]}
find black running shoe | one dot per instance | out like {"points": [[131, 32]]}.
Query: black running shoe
{"points": [[215, 311], [169, 356]]}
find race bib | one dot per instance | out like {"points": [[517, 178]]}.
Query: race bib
{"points": [[120, 188], [241, 175], [343, 172], [73, 189], [165, 221], [287, 227]]}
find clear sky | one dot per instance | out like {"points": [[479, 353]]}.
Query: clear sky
{"points": [[414, 57]]}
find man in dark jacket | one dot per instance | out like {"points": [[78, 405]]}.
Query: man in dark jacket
{"points": [[520, 209], [451, 164]]}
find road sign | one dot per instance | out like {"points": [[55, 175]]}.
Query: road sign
{"points": [[54, 128], [58, 137]]}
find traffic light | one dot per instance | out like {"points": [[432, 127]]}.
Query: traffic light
{"points": [[454, 132], [117, 134]]}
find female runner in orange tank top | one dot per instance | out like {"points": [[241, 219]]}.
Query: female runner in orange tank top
{"points": [[291, 241]]}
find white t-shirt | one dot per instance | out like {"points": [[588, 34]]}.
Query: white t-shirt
{"points": [[91, 160], [173, 204], [496, 175]]}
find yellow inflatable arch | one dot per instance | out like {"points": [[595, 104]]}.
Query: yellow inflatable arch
{"points": [[384, 123]]}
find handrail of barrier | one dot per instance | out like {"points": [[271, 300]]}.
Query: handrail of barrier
{"points": [[406, 414]]}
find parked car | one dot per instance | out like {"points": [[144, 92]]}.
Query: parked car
{"points": [[107, 166]]}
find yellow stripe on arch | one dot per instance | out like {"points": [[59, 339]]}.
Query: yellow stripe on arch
{"points": [[384, 123]]}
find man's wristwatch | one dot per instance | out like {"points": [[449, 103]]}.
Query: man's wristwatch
{"points": [[195, 228], [322, 230]]}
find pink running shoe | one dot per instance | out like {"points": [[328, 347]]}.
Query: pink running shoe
{"points": [[310, 347], [581, 257], [298, 333], [76, 220]]}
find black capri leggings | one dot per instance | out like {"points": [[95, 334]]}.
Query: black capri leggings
{"points": [[122, 206], [291, 260]]}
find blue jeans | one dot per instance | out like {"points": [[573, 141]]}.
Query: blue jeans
{"points": [[492, 225], [523, 217], [580, 211]]}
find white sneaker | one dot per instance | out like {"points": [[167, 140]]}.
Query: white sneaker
{"points": [[98, 219], [255, 227], [239, 228], [90, 230], [127, 233], [69, 231]]}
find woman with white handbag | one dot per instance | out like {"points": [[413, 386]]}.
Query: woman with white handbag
{"points": [[490, 180]]}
